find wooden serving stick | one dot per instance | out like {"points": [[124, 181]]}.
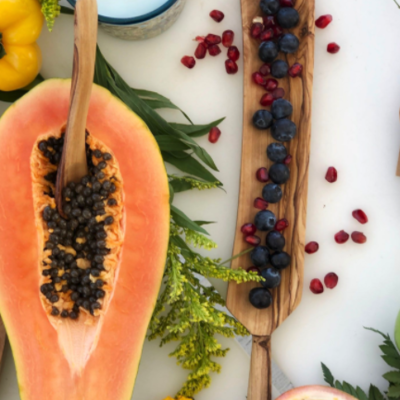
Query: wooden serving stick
{"points": [[73, 165], [293, 206]]}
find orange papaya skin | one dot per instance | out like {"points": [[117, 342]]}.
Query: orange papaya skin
{"points": [[42, 369]]}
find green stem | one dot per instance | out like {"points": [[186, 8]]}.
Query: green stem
{"points": [[237, 256], [2, 50], [397, 4]]}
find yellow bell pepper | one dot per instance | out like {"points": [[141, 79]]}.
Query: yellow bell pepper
{"points": [[21, 22]]}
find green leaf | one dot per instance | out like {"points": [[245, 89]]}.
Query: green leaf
{"points": [[394, 391], [328, 377], [361, 394], [392, 376], [392, 361], [374, 393], [179, 185], [184, 221], [201, 223], [171, 194], [379, 332], [389, 351], [197, 130], [339, 386], [168, 143], [349, 389]]}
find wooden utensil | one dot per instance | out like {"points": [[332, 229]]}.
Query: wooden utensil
{"points": [[73, 165], [293, 206]]}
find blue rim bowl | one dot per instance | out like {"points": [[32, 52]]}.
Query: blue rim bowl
{"points": [[134, 20]]}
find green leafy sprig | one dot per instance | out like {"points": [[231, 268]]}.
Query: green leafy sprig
{"points": [[392, 357]]}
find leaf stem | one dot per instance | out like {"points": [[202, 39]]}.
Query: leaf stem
{"points": [[237, 256], [397, 4]]}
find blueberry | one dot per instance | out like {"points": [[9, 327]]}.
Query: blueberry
{"points": [[289, 43], [268, 51], [275, 240], [265, 220], [279, 173], [260, 256], [279, 69], [260, 298], [272, 278], [276, 152], [270, 7], [281, 108], [280, 260], [262, 119], [288, 17], [283, 130], [272, 193]]}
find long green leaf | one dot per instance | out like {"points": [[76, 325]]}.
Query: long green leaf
{"points": [[197, 130], [168, 143], [328, 377], [184, 221]]}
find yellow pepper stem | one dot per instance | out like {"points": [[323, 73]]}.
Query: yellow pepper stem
{"points": [[2, 50]]}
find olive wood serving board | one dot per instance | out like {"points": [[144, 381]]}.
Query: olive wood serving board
{"points": [[293, 206]]}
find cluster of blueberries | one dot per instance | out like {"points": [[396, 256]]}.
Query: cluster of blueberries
{"points": [[282, 130]]}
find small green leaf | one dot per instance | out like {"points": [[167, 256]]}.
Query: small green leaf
{"points": [[374, 393], [361, 394], [394, 391], [201, 223], [328, 377], [171, 194], [387, 337], [338, 385], [184, 221], [392, 376], [389, 351], [392, 361], [179, 185], [349, 389]]}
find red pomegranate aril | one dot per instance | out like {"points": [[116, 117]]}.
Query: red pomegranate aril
{"points": [[316, 286], [265, 70], [217, 15], [212, 39], [267, 100], [331, 280], [358, 237], [323, 21], [256, 30], [262, 175], [201, 51], [258, 79], [288, 159], [267, 35], [295, 70], [341, 237], [287, 3], [333, 48], [254, 269], [270, 21], [281, 225], [214, 135], [271, 85], [233, 53], [312, 247], [253, 240], [248, 229], [260, 203], [331, 175], [360, 216], [278, 93], [214, 50], [278, 32], [227, 38], [231, 67], [188, 62]]}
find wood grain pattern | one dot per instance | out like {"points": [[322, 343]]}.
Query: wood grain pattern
{"points": [[73, 164], [293, 205]]}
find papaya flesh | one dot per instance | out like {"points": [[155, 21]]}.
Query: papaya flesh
{"points": [[71, 338]]}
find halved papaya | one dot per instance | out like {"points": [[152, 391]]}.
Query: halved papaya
{"points": [[77, 290]]}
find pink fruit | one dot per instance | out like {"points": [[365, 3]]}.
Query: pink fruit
{"points": [[323, 21], [333, 48], [295, 70], [231, 67], [287, 3], [260, 203], [214, 50], [312, 247], [227, 38], [267, 100], [258, 79], [278, 93], [281, 224], [262, 175], [331, 175], [212, 39], [271, 84], [217, 15], [233, 53], [360, 216], [358, 237], [201, 51], [316, 286], [288, 159], [248, 229], [270, 22], [214, 134], [265, 70], [253, 240], [341, 237], [256, 30], [188, 62], [331, 280], [266, 35]]}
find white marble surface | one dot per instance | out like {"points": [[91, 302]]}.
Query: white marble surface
{"points": [[355, 128]]}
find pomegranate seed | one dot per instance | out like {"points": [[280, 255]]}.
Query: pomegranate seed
{"points": [[342, 237], [233, 53], [358, 237], [267, 35], [270, 21], [214, 50], [267, 100], [201, 51], [331, 280], [231, 67], [227, 38], [278, 93], [200, 39], [189, 62], [256, 30], [316, 286], [312, 247], [271, 84], [258, 79], [333, 48], [214, 135], [262, 175], [295, 70], [288, 159], [360, 216], [254, 269], [217, 16], [331, 175], [287, 3], [212, 39], [281, 224], [265, 70], [253, 240], [260, 203], [323, 21], [248, 229], [278, 32]]}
